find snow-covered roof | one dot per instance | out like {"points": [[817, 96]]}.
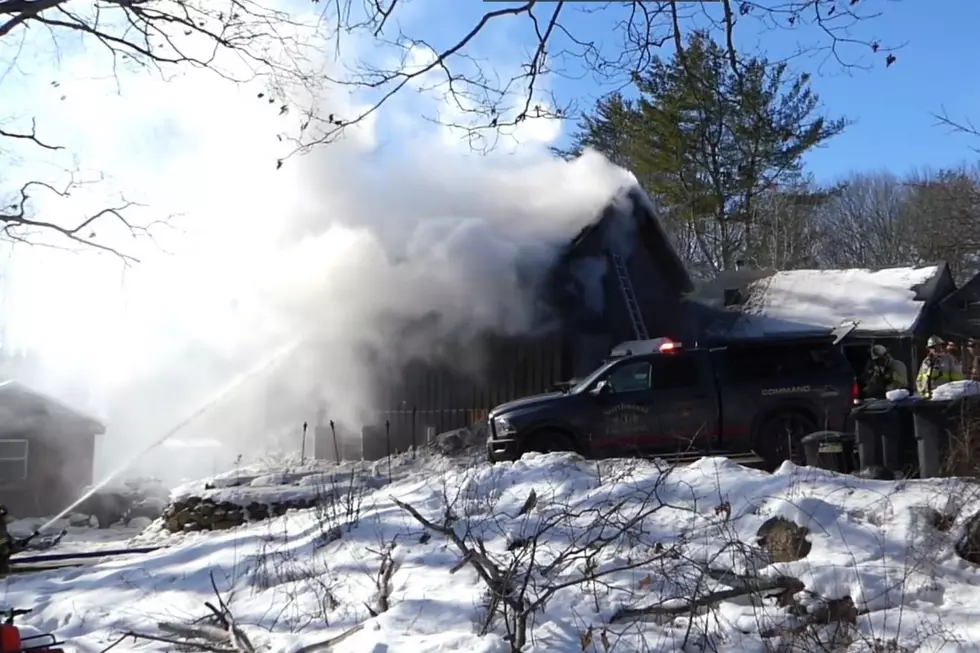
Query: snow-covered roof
{"points": [[888, 301]]}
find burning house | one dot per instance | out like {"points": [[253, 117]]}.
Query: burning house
{"points": [[588, 302]]}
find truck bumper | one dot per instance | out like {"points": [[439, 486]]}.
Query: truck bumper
{"points": [[499, 450]]}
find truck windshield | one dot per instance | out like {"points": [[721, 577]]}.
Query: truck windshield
{"points": [[591, 378]]}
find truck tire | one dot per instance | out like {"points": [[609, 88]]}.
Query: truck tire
{"points": [[548, 442], [778, 438]]}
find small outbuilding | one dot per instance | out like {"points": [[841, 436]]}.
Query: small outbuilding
{"points": [[47, 451], [895, 307]]}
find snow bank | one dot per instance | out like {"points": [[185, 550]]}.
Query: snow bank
{"points": [[644, 535], [809, 300]]}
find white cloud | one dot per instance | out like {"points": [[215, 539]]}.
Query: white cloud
{"points": [[256, 255]]}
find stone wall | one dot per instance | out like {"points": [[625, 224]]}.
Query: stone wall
{"points": [[203, 514]]}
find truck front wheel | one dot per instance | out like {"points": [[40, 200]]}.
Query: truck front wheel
{"points": [[548, 442], [779, 438]]}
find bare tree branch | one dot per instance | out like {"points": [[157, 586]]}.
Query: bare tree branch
{"points": [[962, 126], [16, 221], [489, 104], [238, 40]]}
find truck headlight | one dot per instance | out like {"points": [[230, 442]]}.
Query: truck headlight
{"points": [[503, 427]]}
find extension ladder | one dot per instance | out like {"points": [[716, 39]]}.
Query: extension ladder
{"points": [[632, 306]]}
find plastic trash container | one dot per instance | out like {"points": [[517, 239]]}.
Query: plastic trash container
{"points": [[831, 450], [936, 422], [868, 424], [885, 436], [899, 450]]}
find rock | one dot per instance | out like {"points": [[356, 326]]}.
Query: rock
{"points": [[450, 442], [941, 522], [968, 547], [783, 540], [79, 519], [835, 610]]}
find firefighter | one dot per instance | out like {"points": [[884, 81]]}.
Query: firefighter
{"points": [[973, 348], [954, 352], [938, 368], [884, 373], [10, 545], [6, 543]]}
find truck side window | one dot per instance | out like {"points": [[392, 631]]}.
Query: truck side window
{"points": [[632, 377], [673, 371], [755, 363]]}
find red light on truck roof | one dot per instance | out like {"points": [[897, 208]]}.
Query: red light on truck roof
{"points": [[669, 346]]}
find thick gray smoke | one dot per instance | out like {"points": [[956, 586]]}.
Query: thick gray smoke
{"points": [[335, 249]]}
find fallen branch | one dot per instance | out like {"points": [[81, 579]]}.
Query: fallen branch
{"points": [[201, 646], [757, 585], [224, 616], [200, 631], [333, 641]]}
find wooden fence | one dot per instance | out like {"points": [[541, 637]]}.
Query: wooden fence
{"points": [[432, 399]]}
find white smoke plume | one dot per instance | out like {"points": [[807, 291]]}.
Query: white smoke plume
{"points": [[329, 248]]}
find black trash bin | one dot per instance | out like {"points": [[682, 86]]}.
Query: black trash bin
{"points": [[899, 451], [831, 450], [885, 436], [937, 422]]}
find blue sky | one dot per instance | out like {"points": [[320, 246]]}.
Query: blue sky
{"points": [[891, 108]]}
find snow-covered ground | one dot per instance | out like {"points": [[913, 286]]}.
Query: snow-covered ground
{"points": [[581, 540]]}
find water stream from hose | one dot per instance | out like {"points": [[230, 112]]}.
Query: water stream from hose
{"points": [[201, 410]]}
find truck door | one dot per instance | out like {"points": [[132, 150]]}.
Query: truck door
{"points": [[625, 418], [686, 401]]}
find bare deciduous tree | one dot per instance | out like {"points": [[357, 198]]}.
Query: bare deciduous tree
{"points": [[240, 41], [785, 234], [944, 209], [882, 220], [864, 224]]}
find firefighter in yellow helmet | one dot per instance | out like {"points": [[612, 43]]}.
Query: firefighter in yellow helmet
{"points": [[938, 368], [884, 373]]}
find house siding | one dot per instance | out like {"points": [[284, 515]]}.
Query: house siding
{"points": [[59, 467], [960, 311]]}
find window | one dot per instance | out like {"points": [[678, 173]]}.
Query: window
{"points": [[13, 461], [762, 362], [661, 372], [631, 377], [675, 370]]}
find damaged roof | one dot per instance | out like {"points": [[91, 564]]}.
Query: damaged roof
{"points": [[887, 302], [634, 200]]}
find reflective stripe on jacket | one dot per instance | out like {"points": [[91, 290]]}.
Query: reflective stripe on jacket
{"points": [[936, 371]]}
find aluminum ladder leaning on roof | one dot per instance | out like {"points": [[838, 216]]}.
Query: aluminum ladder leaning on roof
{"points": [[639, 327]]}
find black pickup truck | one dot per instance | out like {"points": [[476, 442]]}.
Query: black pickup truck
{"points": [[749, 400]]}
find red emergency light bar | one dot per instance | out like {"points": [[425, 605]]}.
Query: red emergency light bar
{"points": [[669, 346]]}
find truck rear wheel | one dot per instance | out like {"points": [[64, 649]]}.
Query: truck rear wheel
{"points": [[548, 442], [779, 438]]}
